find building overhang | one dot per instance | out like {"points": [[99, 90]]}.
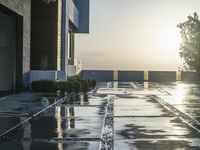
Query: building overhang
{"points": [[73, 14], [83, 7]]}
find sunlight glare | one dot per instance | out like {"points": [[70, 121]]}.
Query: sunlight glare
{"points": [[168, 39], [180, 93]]}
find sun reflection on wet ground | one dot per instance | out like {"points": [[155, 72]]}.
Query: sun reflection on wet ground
{"points": [[185, 97], [140, 122]]}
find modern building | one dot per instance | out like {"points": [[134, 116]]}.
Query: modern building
{"points": [[37, 39]]}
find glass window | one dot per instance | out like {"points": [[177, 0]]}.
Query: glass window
{"points": [[69, 45]]}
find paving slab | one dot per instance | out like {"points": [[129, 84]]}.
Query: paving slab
{"points": [[26, 102], [73, 145], [78, 127], [144, 124], [185, 98], [157, 144], [138, 106], [152, 127]]}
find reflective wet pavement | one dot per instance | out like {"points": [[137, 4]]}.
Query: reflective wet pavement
{"points": [[140, 122], [72, 124], [184, 97], [16, 108]]}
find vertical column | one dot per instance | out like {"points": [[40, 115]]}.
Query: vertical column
{"points": [[178, 75], [65, 22], [115, 75], [146, 79], [59, 26], [146, 75]]}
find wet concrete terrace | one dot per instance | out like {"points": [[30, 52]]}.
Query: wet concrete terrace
{"points": [[184, 97], [72, 124], [16, 108], [140, 122]]}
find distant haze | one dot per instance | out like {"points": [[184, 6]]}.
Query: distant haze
{"points": [[134, 34]]}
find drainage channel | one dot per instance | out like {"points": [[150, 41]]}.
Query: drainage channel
{"points": [[108, 127], [188, 119]]}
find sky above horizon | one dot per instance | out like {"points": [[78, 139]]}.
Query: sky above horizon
{"points": [[134, 34]]}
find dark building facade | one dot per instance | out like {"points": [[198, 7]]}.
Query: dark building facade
{"points": [[37, 39]]}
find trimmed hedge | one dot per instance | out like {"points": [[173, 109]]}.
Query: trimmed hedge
{"points": [[64, 86], [44, 86], [75, 84]]}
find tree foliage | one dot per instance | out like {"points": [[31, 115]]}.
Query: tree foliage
{"points": [[190, 45]]}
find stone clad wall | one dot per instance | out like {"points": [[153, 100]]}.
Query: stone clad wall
{"points": [[23, 8]]}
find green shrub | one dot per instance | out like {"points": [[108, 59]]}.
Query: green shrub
{"points": [[65, 86], [76, 86], [74, 78], [44, 86], [84, 86], [92, 83]]}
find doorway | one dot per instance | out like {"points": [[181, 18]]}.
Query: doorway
{"points": [[11, 48]]}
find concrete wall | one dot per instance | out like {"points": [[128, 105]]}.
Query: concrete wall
{"points": [[43, 75], [126, 76], [162, 76], [71, 70], [98, 75], [134, 76], [23, 8], [189, 76]]}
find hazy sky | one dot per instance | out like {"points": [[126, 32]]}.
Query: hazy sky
{"points": [[134, 34]]}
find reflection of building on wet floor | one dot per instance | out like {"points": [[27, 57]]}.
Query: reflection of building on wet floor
{"points": [[60, 113], [26, 134], [65, 112], [140, 122]]}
